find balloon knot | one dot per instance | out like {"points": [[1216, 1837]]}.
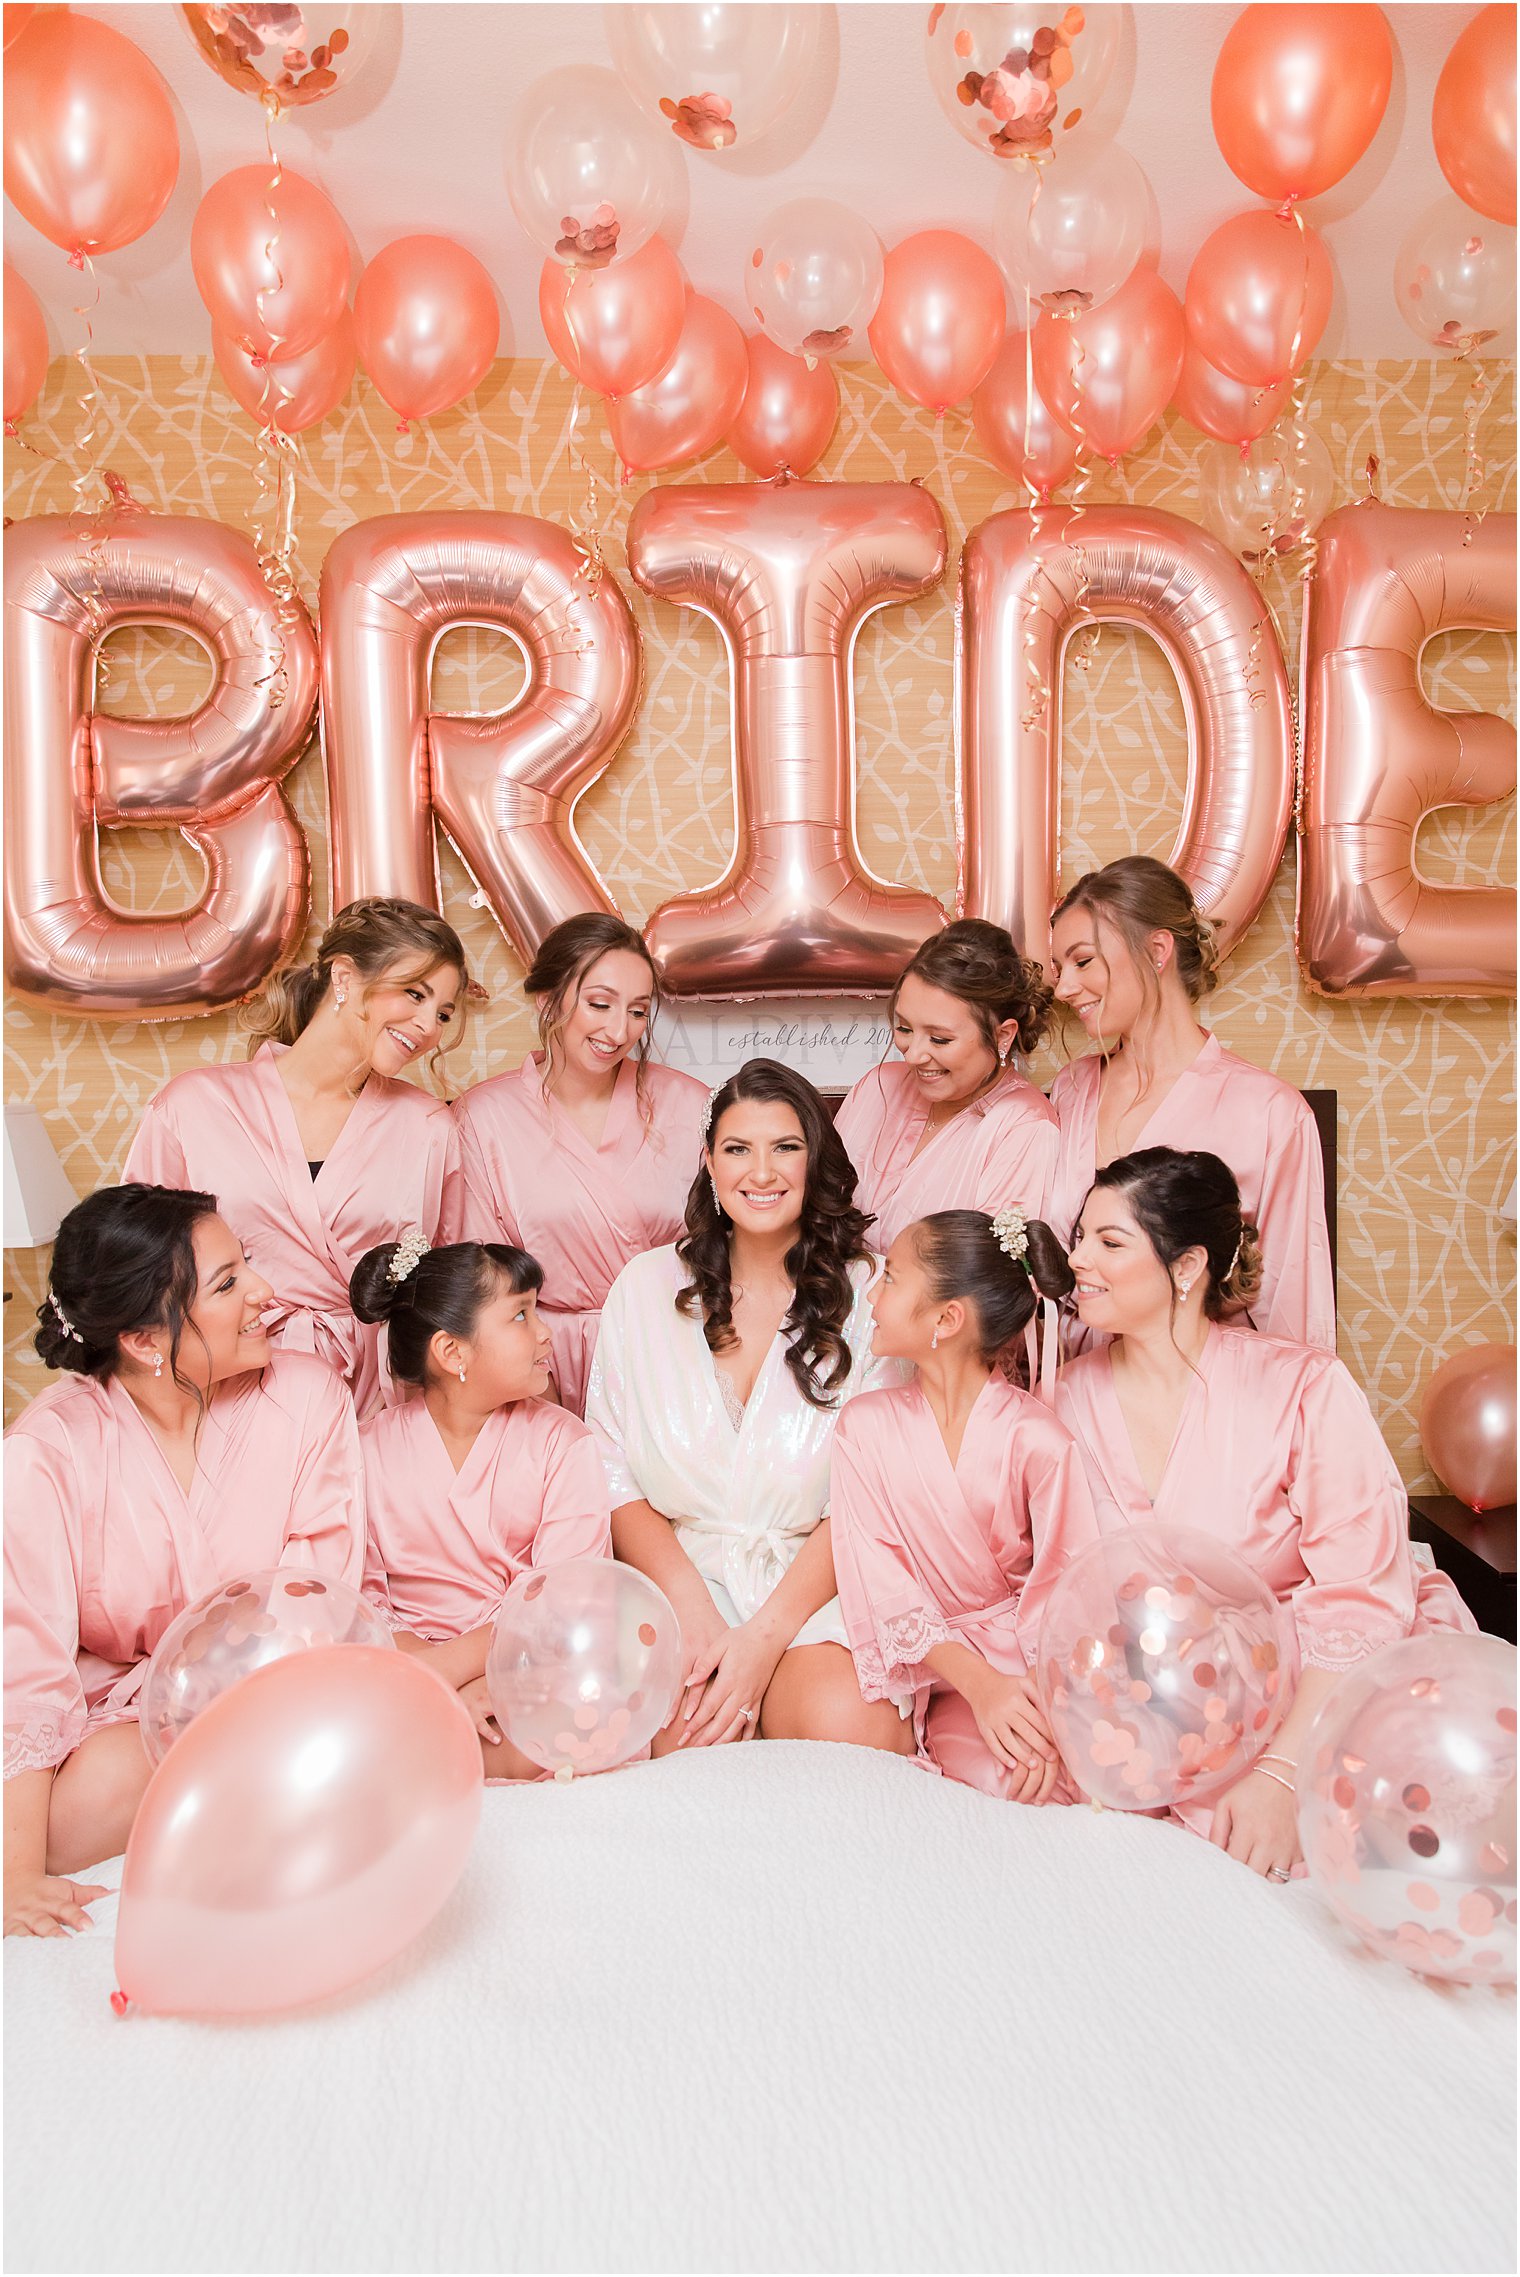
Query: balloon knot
{"points": [[403, 426], [119, 2003], [76, 258], [12, 430]]}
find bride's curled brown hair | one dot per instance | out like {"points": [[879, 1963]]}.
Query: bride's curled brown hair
{"points": [[830, 1238], [963, 1258]]}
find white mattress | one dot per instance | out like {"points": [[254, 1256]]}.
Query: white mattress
{"points": [[786, 2007]]}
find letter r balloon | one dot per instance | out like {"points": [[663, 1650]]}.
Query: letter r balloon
{"points": [[504, 786], [789, 573]]}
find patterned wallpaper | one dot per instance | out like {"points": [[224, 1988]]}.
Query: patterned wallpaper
{"points": [[1427, 1095]]}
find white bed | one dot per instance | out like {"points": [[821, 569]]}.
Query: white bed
{"points": [[786, 2007]]}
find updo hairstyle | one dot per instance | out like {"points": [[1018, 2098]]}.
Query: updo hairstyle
{"points": [[1139, 896], [443, 1292], [977, 963], [378, 935], [1191, 1201], [963, 1259], [565, 956], [123, 1259]]}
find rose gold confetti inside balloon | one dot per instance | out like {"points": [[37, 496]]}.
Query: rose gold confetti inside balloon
{"points": [[1165, 1666], [584, 1664], [283, 55], [813, 277], [240, 1627], [591, 176], [1406, 1805], [721, 74], [1013, 79]]}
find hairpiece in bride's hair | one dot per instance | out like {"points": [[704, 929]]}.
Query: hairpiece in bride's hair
{"points": [[410, 1251], [1011, 1231], [1235, 1260], [63, 1319], [712, 1101]]}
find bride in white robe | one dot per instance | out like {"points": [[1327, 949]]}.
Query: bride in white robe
{"points": [[717, 1458]]}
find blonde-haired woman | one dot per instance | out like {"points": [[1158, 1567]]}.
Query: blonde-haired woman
{"points": [[1133, 959], [315, 1146], [584, 1155]]}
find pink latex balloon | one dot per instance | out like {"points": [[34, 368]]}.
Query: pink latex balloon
{"points": [[1299, 91], [91, 148], [1467, 1425], [1014, 427], [426, 324], [1230, 410], [26, 348], [615, 328], [1109, 375], [1258, 296], [17, 15], [243, 1625], [788, 413], [1473, 116], [297, 391], [585, 1664], [789, 571], [1377, 756], [689, 406], [1165, 1666], [275, 286], [1406, 1805], [303, 1831], [215, 774], [939, 325]]}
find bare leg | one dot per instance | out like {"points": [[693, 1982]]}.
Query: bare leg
{"points": [[814, 1694], [95, 1798], [504, 1761]]}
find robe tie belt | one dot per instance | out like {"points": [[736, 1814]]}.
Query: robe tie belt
{"points": [[754, 1559], [332, 1336]]}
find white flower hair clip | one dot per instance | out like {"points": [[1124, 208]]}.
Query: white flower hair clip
{"points": [[1011, 1232], [63, 1319], [410, 1251]]}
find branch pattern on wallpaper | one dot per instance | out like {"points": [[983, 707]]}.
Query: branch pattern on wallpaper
{"points": [[789, 574]]}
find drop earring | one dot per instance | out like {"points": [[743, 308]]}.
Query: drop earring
{"points": [[717, 1205], [158, 1365], [934, 1341], [461, 1375]]}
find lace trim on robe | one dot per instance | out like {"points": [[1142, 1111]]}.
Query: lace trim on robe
{"points": [[40, 1747], [1340, 1649], [733, 1405], [890, 1664]]}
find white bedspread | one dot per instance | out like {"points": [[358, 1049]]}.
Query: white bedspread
{"points": [[786, 2007]]}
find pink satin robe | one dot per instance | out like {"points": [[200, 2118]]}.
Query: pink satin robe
{"points": [[1277, 1454], [533, 1179], [445, 1545], [231, 1131], [929, 1553], [1264, 1130], [1001, 1149], [103, 1548]]}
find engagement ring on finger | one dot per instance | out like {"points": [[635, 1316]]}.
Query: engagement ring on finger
{"points": [[748, 1715], [1276, 1874]]}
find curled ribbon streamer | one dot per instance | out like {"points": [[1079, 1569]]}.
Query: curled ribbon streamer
{"points": [[92, 528], [586, 521], [1475, 470], [1039, 697], [279, 456], [1087, 640]]}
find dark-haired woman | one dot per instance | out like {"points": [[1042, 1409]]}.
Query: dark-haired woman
{"points": [[953, 1124], [584, 1154], [1267, 1445], [957, 1501], [315, 1147], [480, 1479], [1134, 958], [718, 1381], [176, 1452]]}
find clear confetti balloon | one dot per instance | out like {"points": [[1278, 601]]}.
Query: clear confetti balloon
{"points": [[1406, 1805], [1165, 1666], [1012, 77], [242, 1626], [720, 74], [1266, 498], [283, 55], [813, 277], [584, 1664]]}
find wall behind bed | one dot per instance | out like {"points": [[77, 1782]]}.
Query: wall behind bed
{"points": [[1427, 1094]]}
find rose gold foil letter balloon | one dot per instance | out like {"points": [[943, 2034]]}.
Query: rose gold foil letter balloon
{"points": [[585, 1664], [1406, 1805], [1024, 593], [1378, 757], [214, 775], [1165, 1666], [1467, 1425], [789, 575], [719, 74], [308, 1826], [504, 786], [242, 1626]]}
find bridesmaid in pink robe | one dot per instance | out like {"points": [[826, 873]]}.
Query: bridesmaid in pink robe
{"points": [[957, 1501], [953, 1125], [177, 1452], [1133, 957], [585, 1154], [315, 1146], [481, 1477], [1266, 1444]]}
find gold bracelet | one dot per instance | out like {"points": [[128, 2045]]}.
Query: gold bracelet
{"points": [[1276, 1778]]}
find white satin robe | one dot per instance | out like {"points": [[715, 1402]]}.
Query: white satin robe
{"points": [[1001, 1149], [103, 1547], [930, 1552], [743, 1502], [445, 1546], [1266, 1133], [533, 1179], [231, 1131]]}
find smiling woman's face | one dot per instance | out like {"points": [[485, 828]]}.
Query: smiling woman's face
{"points": [[759, 1163], [403, 1015], [942, 1042]]}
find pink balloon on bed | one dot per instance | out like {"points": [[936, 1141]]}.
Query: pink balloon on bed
{"points": [[584, 1664], [242, 1626], [1165, 1666], [307, 1827]]}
